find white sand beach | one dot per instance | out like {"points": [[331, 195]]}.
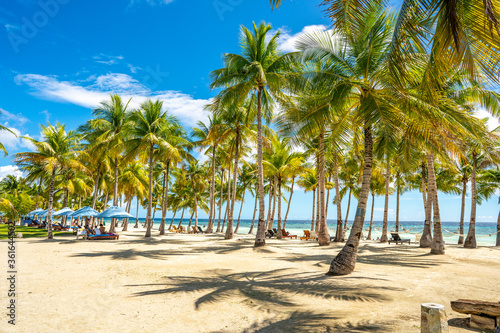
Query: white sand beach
{"points": [[198, 283]]}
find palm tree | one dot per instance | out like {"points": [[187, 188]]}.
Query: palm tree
{"points": [[57, 152], [263, 70], [489, 185], [134, 180], [377, 187], [3, 128], [145, 137], [195, 172], [308, 181], [111, 127]]}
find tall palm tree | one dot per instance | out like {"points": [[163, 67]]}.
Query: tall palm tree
{"points": [[145, 137], [112, 126], [263, 70], [56, 152], [195, 172], [309, 182], [134, 180], [3, 128]]}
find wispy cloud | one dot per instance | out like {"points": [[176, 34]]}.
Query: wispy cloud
{"points": [[90, 92], [107, 59], [14, 140], [8, 118]]}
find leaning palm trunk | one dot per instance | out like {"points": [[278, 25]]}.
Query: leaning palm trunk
{"points": [[498, 230], [314, 205], [327, 198], [137, 214], [316, 224], [269, 210], [345, 261], [172, 221], [383, 238], [426, 239], [323, 235], [115, 196], [150, 195], [254, 212], [462, 212], [470, 241], [129, 204], [289, 200], [437, 246], [164, 201], [182, 217], [211, 221], [49, 209], [369, 237], [260, 238], [397, 208], [38, 193], [239, 215], [280, 233], [348, 208], [220, 199], [229, 230], [339, 234], [274, 202]]}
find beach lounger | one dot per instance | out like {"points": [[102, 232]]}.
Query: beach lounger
{"points": [[200, 230], [59, 227], [314, 235], [195, 231], [307, 235], [270, 234], [398, 240], [287, 234], [103, 236]]}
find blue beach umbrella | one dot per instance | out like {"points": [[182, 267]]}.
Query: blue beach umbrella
{"points": [[84, 211], [114, 212], [66, 211], [36, 211], [43, 213]]}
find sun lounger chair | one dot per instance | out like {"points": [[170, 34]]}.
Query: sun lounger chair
{"points": [[181, 229], [398, 240], [103, 236], [417, 238], [287, 234], [270, 234], [195, 231], [60, 227], [314, 235], [200, 230], [307, 235]]}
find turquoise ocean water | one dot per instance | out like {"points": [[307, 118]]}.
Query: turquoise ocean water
{"points": [[485, 232]]}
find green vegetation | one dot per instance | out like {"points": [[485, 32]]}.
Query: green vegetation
{"points": [[29, 232]]}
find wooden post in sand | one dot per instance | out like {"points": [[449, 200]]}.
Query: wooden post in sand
{"points": [[433, 318]]}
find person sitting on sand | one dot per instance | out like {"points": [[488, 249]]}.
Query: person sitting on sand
{"points": [[102, 229], [97, 231]]}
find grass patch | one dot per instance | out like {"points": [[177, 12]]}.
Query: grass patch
{"points": [[30, 232]]}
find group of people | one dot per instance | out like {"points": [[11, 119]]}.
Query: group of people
{"points": [[98, 230]]}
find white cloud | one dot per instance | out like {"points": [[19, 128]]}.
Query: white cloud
{"points": [[492, 121], [107, 59], [90, 92], [10, 170], [287, 41], [6, 117], [13, 141]]}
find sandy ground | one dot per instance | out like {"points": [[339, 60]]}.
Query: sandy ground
{"points": [[198, 283]]}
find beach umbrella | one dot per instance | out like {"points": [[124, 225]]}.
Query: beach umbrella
{"points": [[84, 211], [36, 211], [44, 212], [66, 211], [114, 212]]}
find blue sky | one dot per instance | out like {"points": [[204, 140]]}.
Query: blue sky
{"points": [[61, 57]]}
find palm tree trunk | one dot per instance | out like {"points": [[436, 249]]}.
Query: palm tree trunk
{"points": [[316, 224], [150, 194], [164, 201], [339, 234], [280, 233], [210, 226], [369, 237], [96, 186], [397, 208], [182, 217], [470, 240], [115, 196], [239, 215], [327, 198], [51, 200], [260, 238], [289, 200], [314, 205], [228, 197], [462, 212], [190, 220], [172, 221], [348, 208], [269, 210], [254, 212], [383, 238], [498, 230], [220, 199], [345, 260], [426, 239], [229, 230], [195, 209], [437, 246], [274, 200], [38, 193], [137, 214], [323, 235], [129, 204]]}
